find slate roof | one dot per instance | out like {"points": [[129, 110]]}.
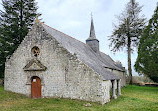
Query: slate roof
{"points": [[95, 61], [110, 62]]}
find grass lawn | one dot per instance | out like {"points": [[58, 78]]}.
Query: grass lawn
{"points": [[135, 98]]}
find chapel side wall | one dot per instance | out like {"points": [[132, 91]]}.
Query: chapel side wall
{"points": [[68, 77], [83, 83], [122, 75], [106, 88]]}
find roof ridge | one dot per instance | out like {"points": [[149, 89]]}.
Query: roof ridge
{"points": [[111, 59], [108, 55], [64, 33]]}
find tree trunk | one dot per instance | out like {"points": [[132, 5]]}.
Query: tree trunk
{"points": [[129, 61], [129, 53]]}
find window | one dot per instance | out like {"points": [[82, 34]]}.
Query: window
{"points": [[35, 51]]}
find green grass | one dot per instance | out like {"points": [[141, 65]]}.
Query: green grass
{"points": [[135, 98]]}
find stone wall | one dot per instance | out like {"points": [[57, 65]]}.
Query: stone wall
{"points": [[106, 87], [66, 76], [120, 74]]}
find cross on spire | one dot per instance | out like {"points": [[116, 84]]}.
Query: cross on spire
{"points": [[37, 20], [91, 15]]}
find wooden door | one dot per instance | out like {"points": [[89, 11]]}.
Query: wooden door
{"points": [[36, 87]]}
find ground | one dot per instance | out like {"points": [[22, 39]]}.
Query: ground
{"points": [[135, 98]]}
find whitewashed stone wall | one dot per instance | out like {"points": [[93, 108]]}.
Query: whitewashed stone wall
{"points": [[120, 74], [106, 87], [66, 76]]}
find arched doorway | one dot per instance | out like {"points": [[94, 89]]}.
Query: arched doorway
{"points": [[35, 87]]}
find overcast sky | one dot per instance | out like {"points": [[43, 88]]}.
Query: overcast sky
{"points": [[73, 18]]}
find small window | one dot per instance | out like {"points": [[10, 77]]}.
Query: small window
{"points": [[35, 51]]}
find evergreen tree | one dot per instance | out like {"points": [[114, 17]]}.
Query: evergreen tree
{"points": [[128, 32], [147, 60], [16, 19]]}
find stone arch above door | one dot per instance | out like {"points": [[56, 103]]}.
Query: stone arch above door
{"points": [[34, 68], [34, 65], [29, 78]]}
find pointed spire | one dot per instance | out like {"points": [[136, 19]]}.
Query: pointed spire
{"points": [[92, 30], [92, 41]]}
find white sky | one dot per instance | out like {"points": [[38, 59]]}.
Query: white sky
{"points": [[73, 18]]}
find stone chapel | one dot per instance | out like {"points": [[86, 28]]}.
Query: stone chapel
{"points": [[49, 63]]}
